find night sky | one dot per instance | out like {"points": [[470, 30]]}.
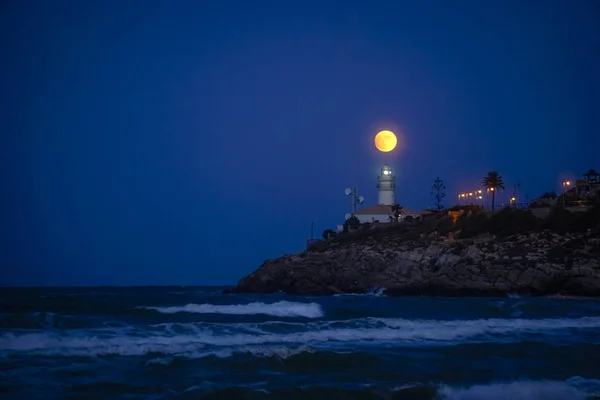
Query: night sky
{"points": [[184, 142]]}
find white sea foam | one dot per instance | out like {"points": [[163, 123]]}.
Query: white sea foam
{"points": [[196, 340], [279, 309], [376, 292], [522, 390]]}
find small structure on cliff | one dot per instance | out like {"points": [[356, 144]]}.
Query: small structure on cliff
{"points": [[383, 212], [386, 186]]}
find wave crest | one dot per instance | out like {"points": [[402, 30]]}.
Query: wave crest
{"points": [[521, 390], [279, 309], [198, 339]]}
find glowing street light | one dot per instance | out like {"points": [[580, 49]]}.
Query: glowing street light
{"points": [[476, 194], [565, 184]]}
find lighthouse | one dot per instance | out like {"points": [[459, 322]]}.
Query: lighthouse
{"points": [[386, 184]]}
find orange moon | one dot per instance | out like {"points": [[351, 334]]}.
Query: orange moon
{"points": [[386, 141]]}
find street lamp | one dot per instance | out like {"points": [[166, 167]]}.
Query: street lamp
{"points": [[565, 184], [474, 195]]}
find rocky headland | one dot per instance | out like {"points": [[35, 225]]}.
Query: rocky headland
{"points": [[511, 252]]}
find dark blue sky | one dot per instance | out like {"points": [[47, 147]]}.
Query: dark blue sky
{"points": [[157, 142]]}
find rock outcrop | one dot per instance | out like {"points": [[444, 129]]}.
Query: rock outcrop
{"points": [[534, 263]]}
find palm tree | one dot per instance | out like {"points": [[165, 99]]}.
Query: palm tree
{"points": [[493, 182], [396, 211]]}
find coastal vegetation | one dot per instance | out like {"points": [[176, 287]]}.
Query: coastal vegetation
{"points": [[478, 254], [472, 222], [493, 182], [438, 193]]}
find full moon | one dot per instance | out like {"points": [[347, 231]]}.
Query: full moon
{"points": [[386, 141]]}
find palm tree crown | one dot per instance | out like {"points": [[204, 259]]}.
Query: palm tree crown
{"points": [[493, 182]]}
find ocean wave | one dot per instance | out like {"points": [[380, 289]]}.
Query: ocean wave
{"points": [[375, 292], [573, 389], [570, 389], [196, 340], [279, 309]]}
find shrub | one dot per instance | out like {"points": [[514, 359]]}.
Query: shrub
{"points": [[548, 195], [473, 224], [560, 220], [466, 208], [445, 225], [539, 204], [510, 221], [351, 222], [328, 233], [589, 219], [343, 237]]}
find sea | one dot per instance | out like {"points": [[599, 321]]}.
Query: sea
{"points": [[156, 343]]}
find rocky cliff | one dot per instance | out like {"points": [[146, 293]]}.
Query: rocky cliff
{"points": [[409, 263]]}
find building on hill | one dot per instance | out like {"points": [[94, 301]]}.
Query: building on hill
{"points": [[386, 187], [384, 214], [582, 191], [376, 213], [589, 187], [382, 211]]}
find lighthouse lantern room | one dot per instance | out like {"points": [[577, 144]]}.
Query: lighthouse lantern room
{"points": [[386, 185]]}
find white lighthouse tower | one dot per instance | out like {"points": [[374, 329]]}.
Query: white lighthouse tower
{"points": [[386, 185]]}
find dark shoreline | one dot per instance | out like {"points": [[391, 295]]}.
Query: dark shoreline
{"points": [[408, 261]]}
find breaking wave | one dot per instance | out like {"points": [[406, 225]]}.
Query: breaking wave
{"points": [[196, 340], [193, 343], [573, 389], [279, 309]]}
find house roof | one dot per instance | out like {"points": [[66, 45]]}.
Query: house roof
{"points": [[409, 211], [378, 209]]}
